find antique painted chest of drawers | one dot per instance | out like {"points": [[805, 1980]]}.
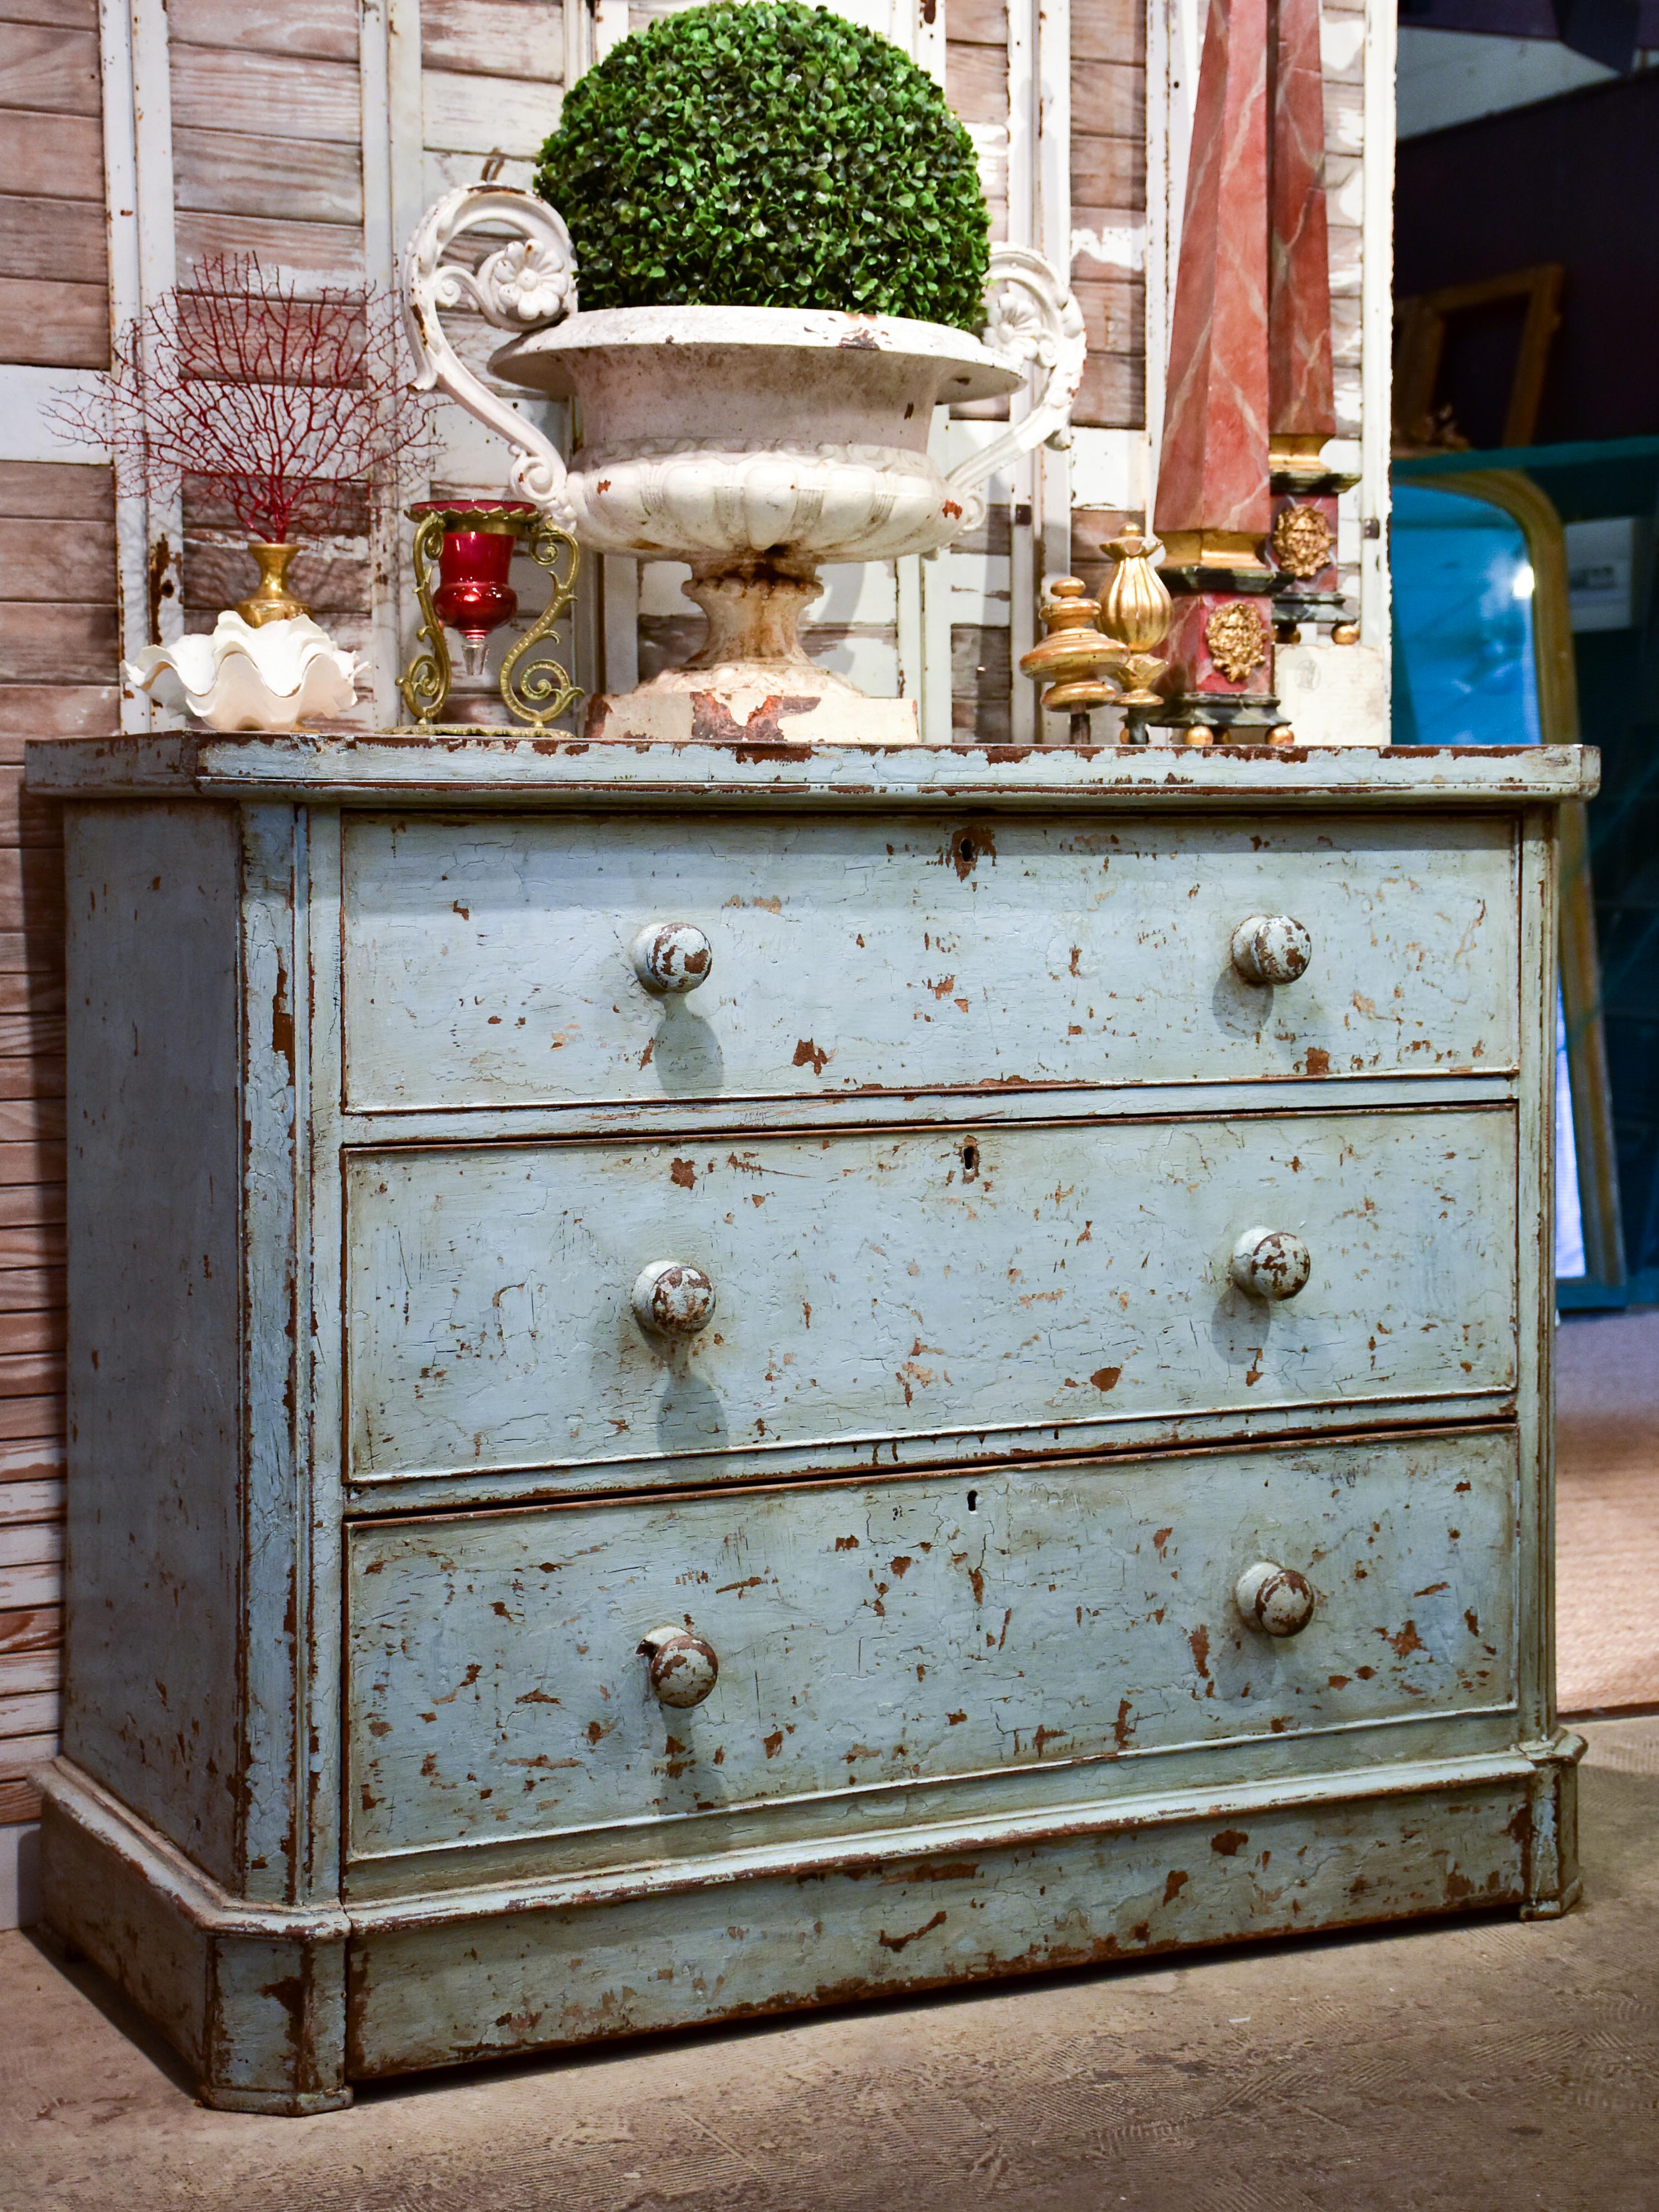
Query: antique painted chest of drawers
{"points": [[709, 1380]]}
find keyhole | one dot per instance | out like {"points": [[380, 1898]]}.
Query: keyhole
{"points": [[973, 1501], [969, 1162], [967, 851]]}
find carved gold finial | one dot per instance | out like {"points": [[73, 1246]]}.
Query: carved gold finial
{"points": [[1072, 659], [1137, 612]]}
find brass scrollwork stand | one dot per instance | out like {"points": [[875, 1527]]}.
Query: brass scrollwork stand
{"points": [[535, 687]]}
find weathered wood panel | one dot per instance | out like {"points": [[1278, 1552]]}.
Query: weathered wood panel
{"points": [[228, 173], [54, 325], [48, 642], [1107, 173], [328, 250], [320, 30], [1109, 99], [59, 156], [58, 239], [519, 38], [479, 114], [931, 1283], [1106, 31], [74, 560], [59, 491], [1113, 392], [57, 710], [52, 71], [489, 963], [954, 1915], [265, 95], [977, 23], [976, 82], [154, 1512], [496, 1687], [64, 15], [1114, 314]]}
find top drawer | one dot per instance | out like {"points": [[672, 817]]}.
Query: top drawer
{"points": [[487, 962]]}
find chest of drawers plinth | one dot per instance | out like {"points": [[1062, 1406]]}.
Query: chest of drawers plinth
{"points": [[704, 1382]]}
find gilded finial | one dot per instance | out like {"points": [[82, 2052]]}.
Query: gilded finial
{"points": [[1072, 659], [1137, 612]]}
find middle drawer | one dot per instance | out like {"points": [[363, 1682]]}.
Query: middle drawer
{"points": [[875, 1289]]}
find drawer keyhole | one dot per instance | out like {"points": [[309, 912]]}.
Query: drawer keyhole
{"points": [[973, 1501], [969, 1162]]}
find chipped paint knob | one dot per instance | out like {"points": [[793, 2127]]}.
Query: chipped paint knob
{"points": [[1272, 948], [1270, 1263], [1275, 1600], [683, 1669], [671, 957], [673, 1298]]}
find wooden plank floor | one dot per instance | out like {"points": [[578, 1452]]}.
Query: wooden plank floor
{"points": [[1608, 1512], [1468, 2065]]}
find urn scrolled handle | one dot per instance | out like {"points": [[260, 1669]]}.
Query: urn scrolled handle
{"points": [[1033, 322], [1270, 1263], [523, 284], [1273, 1600], [671, 957], [672, 1298], [682, 1667], [1271, 948]]}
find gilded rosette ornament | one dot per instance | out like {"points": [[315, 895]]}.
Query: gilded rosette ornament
{"points": [[1302, 542], [1236, 638]]}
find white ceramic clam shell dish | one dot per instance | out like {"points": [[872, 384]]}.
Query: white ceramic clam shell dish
{"points": [[273, 677]]}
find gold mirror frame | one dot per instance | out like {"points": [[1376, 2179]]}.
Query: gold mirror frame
{"points": [[1520, 499]]}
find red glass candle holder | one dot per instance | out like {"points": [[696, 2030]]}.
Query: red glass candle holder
{"points": [[476, 541], [471, 543]]}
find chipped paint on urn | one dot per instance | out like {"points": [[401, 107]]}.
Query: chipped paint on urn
{"points": [[1086, 1581]]}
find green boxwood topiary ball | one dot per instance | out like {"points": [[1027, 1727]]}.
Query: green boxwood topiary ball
{"points": [[760, 152]]}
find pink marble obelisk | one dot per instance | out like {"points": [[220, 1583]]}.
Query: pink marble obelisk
{"points": [[1300, 383], [1212, 509]]}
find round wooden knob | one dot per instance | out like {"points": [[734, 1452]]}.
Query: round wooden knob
{"points": [[1275, 1600], [671, 957], [683, 1669], [673, 1298], [1272, 948], [1270, 1263]]}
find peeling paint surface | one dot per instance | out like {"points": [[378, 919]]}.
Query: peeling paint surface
{"points": [[922, 1629], [955, 1281], [489, 962], [390, 1483]]}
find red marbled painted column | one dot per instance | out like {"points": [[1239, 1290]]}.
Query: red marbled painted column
{"points": [[1302, 405], [1213, 470], [1301, 398], [1213, 508]]}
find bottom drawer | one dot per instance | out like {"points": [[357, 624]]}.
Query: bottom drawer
{"points": [[923, 1629]]}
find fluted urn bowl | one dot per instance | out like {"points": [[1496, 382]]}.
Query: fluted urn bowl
{"points": [[752, 443], [758, 431]]}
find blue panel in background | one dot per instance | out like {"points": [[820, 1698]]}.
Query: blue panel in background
{"points": [[1466, 673], [1464, 667]]}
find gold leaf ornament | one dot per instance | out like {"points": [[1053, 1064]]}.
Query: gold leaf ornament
{"points": [[1236, 640], [1302, 542]]}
